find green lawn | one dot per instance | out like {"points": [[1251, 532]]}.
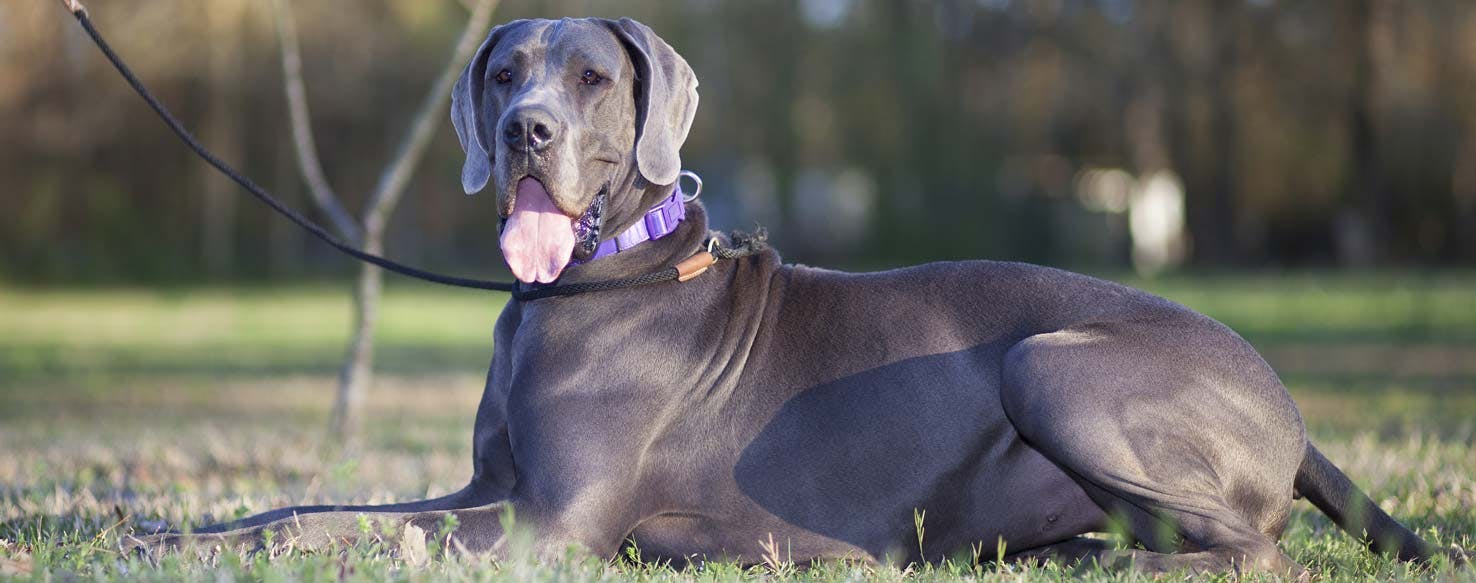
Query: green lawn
{"points": [[126, 405]]}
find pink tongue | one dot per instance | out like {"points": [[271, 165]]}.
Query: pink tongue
{"points": [[537, 239]]}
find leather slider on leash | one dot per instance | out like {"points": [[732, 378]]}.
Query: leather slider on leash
{"points": [[695, 265]]}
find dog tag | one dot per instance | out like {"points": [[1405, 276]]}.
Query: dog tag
{"points": [[694, 266]]}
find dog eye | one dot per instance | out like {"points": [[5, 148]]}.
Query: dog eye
{"points": [[591, 78], [504, 76]]}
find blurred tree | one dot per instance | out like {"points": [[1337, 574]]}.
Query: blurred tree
{"points": [[368, 232], [222, 128], [1364, 222]]}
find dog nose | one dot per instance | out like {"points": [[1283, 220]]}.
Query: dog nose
{"points": [[530, 127]]}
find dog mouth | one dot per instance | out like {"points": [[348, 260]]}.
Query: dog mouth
{"points": [[537, 238]]}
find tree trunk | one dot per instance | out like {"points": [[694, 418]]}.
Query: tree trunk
{"points": [[358, 366], [222, 130], [1226, 248], [1210, 146], [358, 369], [1363, 229]]}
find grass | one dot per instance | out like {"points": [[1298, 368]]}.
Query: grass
{"points": [[128, 406]]}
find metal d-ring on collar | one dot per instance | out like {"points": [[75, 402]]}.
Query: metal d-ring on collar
{"points": [[695, 179]]}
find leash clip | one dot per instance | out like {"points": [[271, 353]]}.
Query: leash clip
{"points": [[695, 179]]}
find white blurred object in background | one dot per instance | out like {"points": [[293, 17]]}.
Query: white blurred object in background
{"points": [[1154, 206], [1156, 222]]}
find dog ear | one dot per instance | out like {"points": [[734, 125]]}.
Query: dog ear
{"points": [[666, 101], [466, 114]]}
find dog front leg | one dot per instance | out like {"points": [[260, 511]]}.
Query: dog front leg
{"points": [[474, 530], [495, 530]]}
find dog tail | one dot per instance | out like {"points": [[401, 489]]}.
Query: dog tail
{"points": [[1330, 490]]}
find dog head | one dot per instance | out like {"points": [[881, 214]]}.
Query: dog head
{"points": [[557, 113]]}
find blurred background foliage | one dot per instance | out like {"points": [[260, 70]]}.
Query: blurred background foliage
{"points": [[1093, 134]]}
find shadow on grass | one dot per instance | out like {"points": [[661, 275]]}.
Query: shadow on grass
{"points": [[30, 363]]}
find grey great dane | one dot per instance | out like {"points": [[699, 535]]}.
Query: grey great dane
{"points": [[817, 411]]}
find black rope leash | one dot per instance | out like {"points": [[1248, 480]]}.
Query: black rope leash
{"points": [[741, 245], [683, 271]]}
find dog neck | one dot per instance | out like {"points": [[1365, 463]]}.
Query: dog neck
{"points": [[689, 236], [630, 199], [661, 220]]}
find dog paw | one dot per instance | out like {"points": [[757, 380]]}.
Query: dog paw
{"points": [[155, 546]]}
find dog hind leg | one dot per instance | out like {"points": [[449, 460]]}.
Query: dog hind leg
{"points": [[1159, 435]]}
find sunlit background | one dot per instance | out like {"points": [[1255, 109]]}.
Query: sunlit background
{"points": [[1106, 134]]}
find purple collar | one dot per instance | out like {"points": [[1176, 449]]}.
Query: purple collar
{"points": [[659, 222]]}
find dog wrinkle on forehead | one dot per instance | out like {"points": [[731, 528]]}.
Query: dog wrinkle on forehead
{"points": [[553, 30], [588, 44], [515, 54]]}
